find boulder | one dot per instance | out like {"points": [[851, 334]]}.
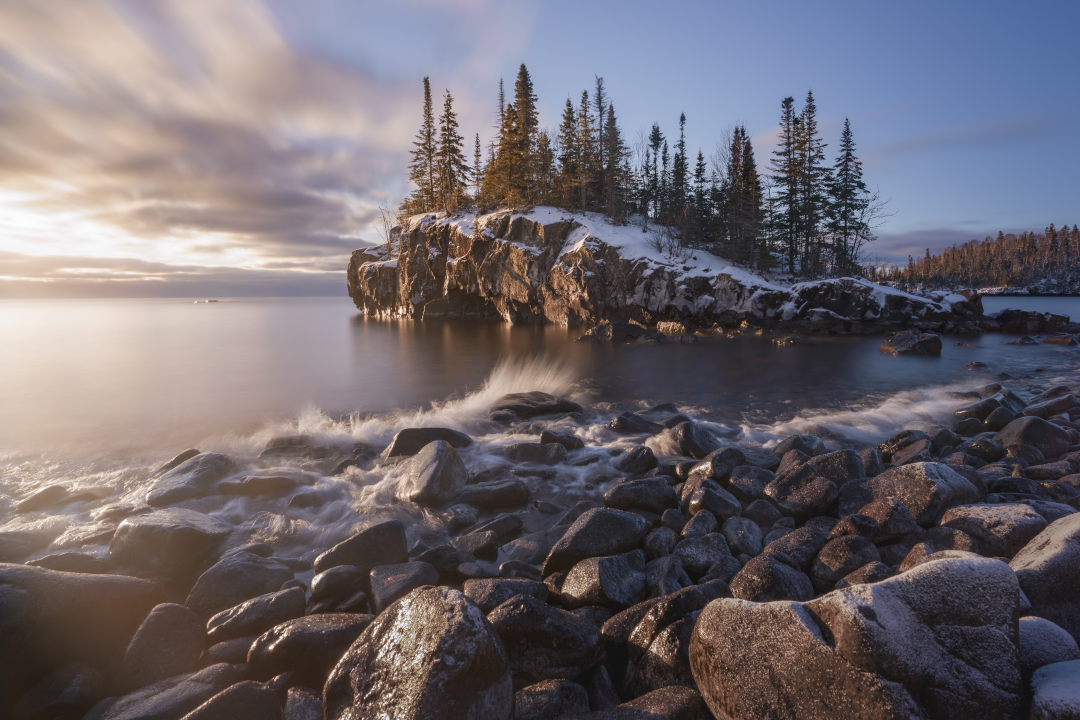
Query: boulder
{"points": [[549, 699], [67, 692], [808, 445], [669, 609], [892, 516], [73, 562], [838, 467], [771, 576], [801, 545], [841, 557], [616, 581], [488, 594], [666, 661], [308, 646], [907, 342], [171, 540], [503, 493], [518, 406], [174, 697], [256, 616], [629, 423], [743, 536], [336, 582], [662, 541], [543, 642], [389, 583], [410, 441], [1055, 692], [169, 642], [801, 492], [1046, 568], [1049, 439], [927, 489], [998, 530], [636, 460], [899, 441], [190, 479], [667, 703], [718, 464], [539, 453], [665, 575], [747, 482], [871, 572], [652, 494], [568, 441], [49, 618], [597, 532], [698, 555], [379, 544], [1044, 643], [937, 642], [243, 701], [687, 439], [303, 704], [702, 523], [716, 500], [234, 579], [432, 475]]}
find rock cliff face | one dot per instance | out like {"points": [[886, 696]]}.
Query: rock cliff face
{"points": [[550, 267]]}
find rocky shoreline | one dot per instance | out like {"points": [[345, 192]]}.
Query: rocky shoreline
{"points": [[933, 575]]}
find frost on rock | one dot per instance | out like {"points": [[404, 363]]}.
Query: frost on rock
{"points": [[550, 266]]}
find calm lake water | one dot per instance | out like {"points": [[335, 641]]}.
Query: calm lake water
{"points": [[98, 392]]}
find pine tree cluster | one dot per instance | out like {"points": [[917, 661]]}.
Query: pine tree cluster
{"points": [[804, 217], [1050, 259]]}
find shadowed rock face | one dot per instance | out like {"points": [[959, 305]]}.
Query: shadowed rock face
{"points": [[525, 271]]}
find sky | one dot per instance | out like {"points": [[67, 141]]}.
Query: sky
{"points": [[205, 148]]}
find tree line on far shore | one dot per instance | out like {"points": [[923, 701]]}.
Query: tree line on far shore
{"points": [[804, 216], [1050, 258]]}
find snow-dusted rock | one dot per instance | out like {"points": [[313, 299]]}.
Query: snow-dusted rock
{"points": [[927, 489], [1055, 692], [1047, 571], [1044, 643]]}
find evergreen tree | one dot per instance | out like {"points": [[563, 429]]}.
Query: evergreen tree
{"points": [[587, 169], [478, 175], [545, 168], [785, 174], [679, 171], [615, 180], [656, 140], [567, 180], [422, 168], [847, 203], [814, 180], [452, 170], [600, 99], [523, 180]]}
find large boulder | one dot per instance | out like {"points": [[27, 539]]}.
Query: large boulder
{"points": [[687, 439], [432, 475], [169, 642], [455, 668], [544, 642], [517, 406], [1051, 440], [1044, 643], [927, 489], [907, 342], [308, 646], [49, 618], [489, 593], [256, 616], [1055, 692], [998, 530], [167, 540], [245, 700], [410, 441], [616, 581], [771, 576], [174, 697], [190, 479], [652, 494], [380, 544], [937, 642], [389, 583], [1047, 570], [234, 579], [801, 492], [597, 532]]}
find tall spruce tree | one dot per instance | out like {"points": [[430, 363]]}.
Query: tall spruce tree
{"points": [[587, 169], [615, 180], [567, 180], [679, 171], [523, 182], [600, 100], [478, 175], [848, 202], [656, 140], [814, 181], [785, 175], [422, 169], [453, 171]]}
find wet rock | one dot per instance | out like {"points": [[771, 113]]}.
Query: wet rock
{"points": [[190, 479], [629, 423], [541, 454], [186, 455], [715, 500], [652, 494], [999, 419], [998, 530], [871, 572], [171, 540], [801, 493], [174, 697], [668, 703], [597, 532], [969, 427], [517, 406], [389, 583], [873, 462], [742, 535], [666, 662], [484, 545], [687, 439], [808, 445], [665, 575], [698, 554], [257, 485], [67, 692], [747, 482], [669, 609], [719, 464], [73, 562], [432, 475], [983, 448], [506, 493], [233, 651], [674, 519], [1049, 471], [839, 467], [906, 342], [303, 704], [899, 441], [49, 618], [243, 701], [927, 489], [762, 512], [1049, 439], [550, 699], [42, 499], [914, 659], [1046, 569], [410, 441], [568, 441], [256, 616], [840, 557], [534, 547], [168, 642], [636, 460], [893, 518], [1044, 643], [1055, 690], [772, 576], [702, 523], [234, 579], [490, 593], [377, 545], [336, 582], [309, 646], [616, 581], [661, 542], [543, 642]]}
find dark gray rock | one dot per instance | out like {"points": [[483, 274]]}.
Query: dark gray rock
{"points": [[309, 646], [969, 427], [762, 512], [857, 524], [808, 445], [233, 651], [504, 493], [1044, 643], [389, 583], [256, 616], [841, 557], [67, 692], [913, 659], [984, 448], [661, 542], [892, 516], [719, 464], [174, 697], [433, 475], [839, 467], [484, 545], [873, 461], [687, 439], [534, 547], [377, 545], [1027, 453], [539, 453], [234, 579], [336, 582], [669, 609], [702, 523], [616, 581], [1046, 569], [748, 482], [871, 572], [771, 576], [568, 441], [550, 699], [652, 494], [243, 701], [598, 532], [665, 575], [73, 562], [543, 642], [927, 489], [742, 535], [899, 441], [488, 594], [629, 423], [171, 540], [636, 460], [801, 493], [410, 441], [698, 554], [168, 642], [518, 406], [801, 545], [998, 419], [303, 704], [998, 530], [190, 479], [666, 662], [717, 501], [1049, 439]]}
